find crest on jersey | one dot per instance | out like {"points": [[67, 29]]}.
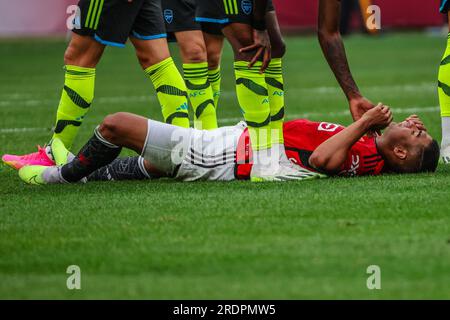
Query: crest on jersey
{"points": [[247, 6], [168, 15]]}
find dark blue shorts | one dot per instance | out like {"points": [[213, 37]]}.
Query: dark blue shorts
{"points": [[111, 22], [224, 12]]}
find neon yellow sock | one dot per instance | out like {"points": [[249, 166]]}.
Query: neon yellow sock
{"points": [[200, 95], [171, 91], [76, 99], [215, 79], [444, 82], [275, 86], [251, 90]]}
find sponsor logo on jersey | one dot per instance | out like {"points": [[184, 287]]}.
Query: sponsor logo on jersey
{"points": [[247, 6], [329, 127], [168, 15], [353, 171]]}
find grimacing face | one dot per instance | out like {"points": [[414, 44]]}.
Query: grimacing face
{"points": [[407, 134]]}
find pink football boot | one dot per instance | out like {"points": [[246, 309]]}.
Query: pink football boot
{"points": [[39, 158]]}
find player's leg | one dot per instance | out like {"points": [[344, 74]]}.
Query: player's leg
{"points": [[96, 26], [252, 94], [116, 131], [275, 83], [80, 59], [129, 168], [148, 36], [444, 94], [161, 144], [179, 16], [251, 87], [195, 69], [214, 46], [166, 78]]}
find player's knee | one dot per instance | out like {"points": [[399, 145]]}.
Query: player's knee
{"points": [[214, 59], [147, 59], [111, 127], [71, 56], [83, 52], [241, 40], [194, 52], [144, 59]]}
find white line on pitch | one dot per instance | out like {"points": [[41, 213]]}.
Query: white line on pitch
{"points": [[15, 99]]}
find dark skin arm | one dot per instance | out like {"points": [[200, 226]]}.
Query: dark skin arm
{"points": [[331, 154], [334, 51], [261, 41]]}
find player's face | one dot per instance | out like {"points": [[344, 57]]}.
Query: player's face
{"points": [[407, 134]]}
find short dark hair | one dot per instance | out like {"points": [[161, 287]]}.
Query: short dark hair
{"points": [[430, 157]]}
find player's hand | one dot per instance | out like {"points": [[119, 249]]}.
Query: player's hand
{"points": [[261, 44], [378, 117], [359, 106], [415, 120]]}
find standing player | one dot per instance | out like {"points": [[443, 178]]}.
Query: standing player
{"points": [[334, 52], [202, 52], [111, 23], [444, 91], [244, 24], [179, 16]]}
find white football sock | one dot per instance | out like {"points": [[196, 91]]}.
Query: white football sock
{"points": [[445, 144], [283, 159], [263, 163]]}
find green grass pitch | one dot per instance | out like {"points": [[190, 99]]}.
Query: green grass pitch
{"points": [[165, 240]]}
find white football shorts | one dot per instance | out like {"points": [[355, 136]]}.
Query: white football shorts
{"points": [[189, 154]]}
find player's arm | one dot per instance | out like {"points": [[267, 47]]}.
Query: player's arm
{"points": [[332, 153], [261, 41], [334, 51]]}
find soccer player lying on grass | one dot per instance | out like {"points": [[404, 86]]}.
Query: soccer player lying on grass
{"points": [[318, 148]]}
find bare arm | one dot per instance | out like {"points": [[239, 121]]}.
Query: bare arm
{"points": [[334, 51], [331, 154]]}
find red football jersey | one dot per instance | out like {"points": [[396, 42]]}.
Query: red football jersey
{"points": [[302, 137]]}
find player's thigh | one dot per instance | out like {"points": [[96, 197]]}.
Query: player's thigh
{"points": [[239, 35], [235, 17], [83, 51], [448, 19], [192, 46], [148, 34], [150, 52], [276, 39], [126, 130], [166, 146], [214, 47]]}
